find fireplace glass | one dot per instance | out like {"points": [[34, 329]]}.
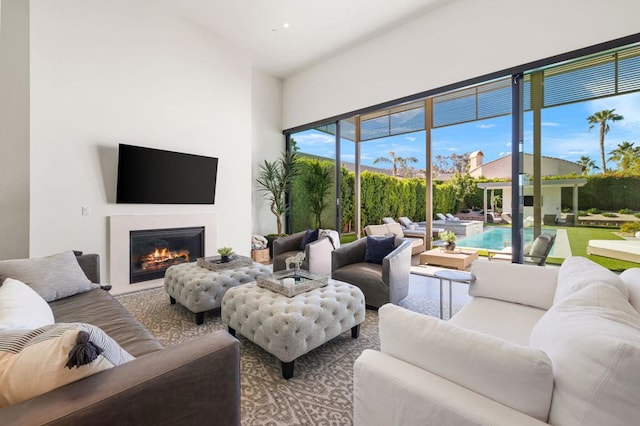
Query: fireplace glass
{"points": [[153, 251]]}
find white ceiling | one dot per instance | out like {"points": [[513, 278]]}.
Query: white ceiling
{"points": [[318, 29]]}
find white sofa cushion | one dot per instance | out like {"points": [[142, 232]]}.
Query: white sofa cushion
{"points": [[506, 320], [593, 338], [631, 278], [21, 308], [579, 272], [516, 376], [525, 284]]}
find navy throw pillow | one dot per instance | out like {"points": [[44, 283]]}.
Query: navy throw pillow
{"points": [[309, 237], [378, 248]]}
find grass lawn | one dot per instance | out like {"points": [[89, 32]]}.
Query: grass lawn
{"points": [[579, 237]]}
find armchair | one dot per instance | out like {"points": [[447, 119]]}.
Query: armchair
{"points": [[317, 253], [388, 282]]}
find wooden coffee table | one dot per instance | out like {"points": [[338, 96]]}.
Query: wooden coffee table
{"points": [[459, 259]]}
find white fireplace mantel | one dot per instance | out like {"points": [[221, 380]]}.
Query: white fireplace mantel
{"points": [[120, 227]]}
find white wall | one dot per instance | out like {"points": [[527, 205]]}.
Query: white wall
{"points": [[14, 129], [462, 40], [267, 142], [105, 72]]}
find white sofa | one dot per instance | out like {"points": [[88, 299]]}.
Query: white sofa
{"points": [[534, 346]]}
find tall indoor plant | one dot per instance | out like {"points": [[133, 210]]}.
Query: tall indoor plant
{"points": [[274, 179]]}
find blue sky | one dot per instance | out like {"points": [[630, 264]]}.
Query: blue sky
{"points": [[565, 134]]}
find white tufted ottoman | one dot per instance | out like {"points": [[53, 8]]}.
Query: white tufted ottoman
{"points": [[289, 327], [200, 290]]}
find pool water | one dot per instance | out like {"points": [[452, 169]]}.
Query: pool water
{"points": [[497, 238]]}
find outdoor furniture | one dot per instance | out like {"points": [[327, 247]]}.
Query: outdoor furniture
{"points": [[289, 327], [459, 259], [200, 289], [535, 253], [394, 228], [628, 250], [412, 229], [388, 282], [317, 253]]}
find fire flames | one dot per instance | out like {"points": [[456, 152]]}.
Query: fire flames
{"points": [[162, 258]]}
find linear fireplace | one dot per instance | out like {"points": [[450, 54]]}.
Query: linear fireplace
{"points": [[155, 250]]}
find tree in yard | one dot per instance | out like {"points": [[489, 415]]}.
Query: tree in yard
{"points": [[587, 164], [602, 119], [626, 155], [396, 162], [317, 182]]}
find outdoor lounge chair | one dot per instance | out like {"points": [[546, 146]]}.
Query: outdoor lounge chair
{"points": [[451, 217], [535, 253], [412, 229]]}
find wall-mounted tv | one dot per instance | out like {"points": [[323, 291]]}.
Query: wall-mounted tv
{"points": [[155, 176]]}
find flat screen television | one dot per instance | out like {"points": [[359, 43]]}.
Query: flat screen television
{"points": [[155, 176], [528, 201]]}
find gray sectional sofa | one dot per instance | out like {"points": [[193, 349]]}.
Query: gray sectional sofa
{"points": [[197, 382]]}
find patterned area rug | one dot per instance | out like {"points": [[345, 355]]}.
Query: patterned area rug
{"points": [[321, 389]]}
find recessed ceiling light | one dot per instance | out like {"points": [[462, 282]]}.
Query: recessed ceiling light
{"points": [[285, 25]]}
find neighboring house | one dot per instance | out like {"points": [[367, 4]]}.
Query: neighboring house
{"points": [[551, 189], [501, 167]]}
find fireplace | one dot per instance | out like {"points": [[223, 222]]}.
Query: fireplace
{"points": [[153, 251]]}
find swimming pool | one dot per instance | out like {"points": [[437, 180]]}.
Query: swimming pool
{"points": [[497, 238]]}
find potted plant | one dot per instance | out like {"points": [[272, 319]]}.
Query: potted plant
{"points": [[225, 254], [450, 238], [274, 180]]}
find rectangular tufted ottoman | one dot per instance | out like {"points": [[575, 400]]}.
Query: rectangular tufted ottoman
{"points": [[289, 327], [201, 290]]}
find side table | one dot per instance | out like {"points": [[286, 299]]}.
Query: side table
{"points": [[452, 276]]}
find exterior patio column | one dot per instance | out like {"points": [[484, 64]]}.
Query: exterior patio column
{"points": [[575, 203], [484, 204]]}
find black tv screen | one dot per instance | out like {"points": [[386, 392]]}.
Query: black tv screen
{"points": [[155, 176], [528, 200]]}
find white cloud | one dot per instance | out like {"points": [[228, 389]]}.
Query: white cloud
{"points": [[452, 149], [313, 139], [411, 138], [550, 124], [503, 153], [485, 126], [508, 143]]}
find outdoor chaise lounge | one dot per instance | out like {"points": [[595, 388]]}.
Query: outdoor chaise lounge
{"points": [[628, 250], [536, 252]]}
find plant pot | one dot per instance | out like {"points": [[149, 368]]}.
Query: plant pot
{"points": [[224, 259], [450, 246]]}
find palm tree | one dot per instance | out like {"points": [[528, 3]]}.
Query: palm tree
{"points": [[626, 155], [587, 164], [397, 162], [602, 119]]}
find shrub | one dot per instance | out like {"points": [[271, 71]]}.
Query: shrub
{"points": [[630, 227], [609, 214], [593, 210], [583, 213], [624, 211], [637, 215]]}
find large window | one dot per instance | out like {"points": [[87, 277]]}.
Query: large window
{"points": [[578, 165]]}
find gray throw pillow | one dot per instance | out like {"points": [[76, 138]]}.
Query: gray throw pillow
{"points": [[53, 277]]}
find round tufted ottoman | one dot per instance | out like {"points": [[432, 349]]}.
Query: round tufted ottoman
{"points": [[289, 327], [200, 290]]}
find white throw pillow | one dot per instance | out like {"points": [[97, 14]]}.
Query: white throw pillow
{"points": [[631, 278], [516, 376], [578, 272], [36, 361], [21, 308], [52, 277], [593, 339]]}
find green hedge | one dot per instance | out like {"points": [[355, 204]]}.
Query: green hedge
{"points": [[606, 192], [381, 196]]}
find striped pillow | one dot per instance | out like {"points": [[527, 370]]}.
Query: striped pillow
{"points": [[33, 362]]}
